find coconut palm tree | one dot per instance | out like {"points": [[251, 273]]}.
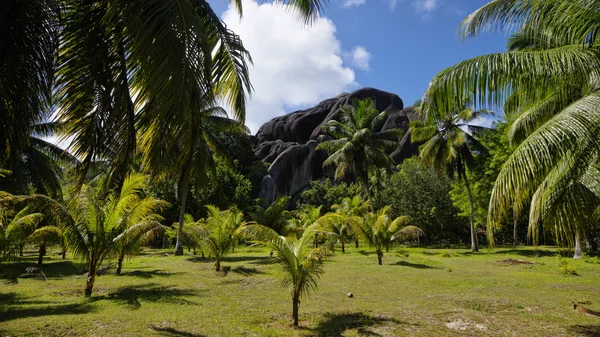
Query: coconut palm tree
{"points": [[46, 236], [379, 230], [304, 218], [100, 225], [186, 155], [39, 167], [107, 50], [449, 147], [274, 216], [217, 233], [548, 79], [16, 227], [358, 145], [302, 264], [350, 209]]}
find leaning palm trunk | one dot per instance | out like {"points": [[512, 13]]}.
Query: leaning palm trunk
{"points": [[577, 245], [120, 261], [183, 189], [471, 223], [380, 257]]}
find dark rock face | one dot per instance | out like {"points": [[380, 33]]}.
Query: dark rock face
{"points": [[289, 142]]}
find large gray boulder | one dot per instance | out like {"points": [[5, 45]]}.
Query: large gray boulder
{"points": [[289, 142]]}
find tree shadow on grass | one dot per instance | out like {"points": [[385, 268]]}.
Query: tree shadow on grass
{"points": [[11, 307], [151, 292], [527, 252], [147, 274], [173, 332], [334, 325], [414, 265], [586, 330], [11, 271], [365, 253], [246, 271], [250, 259]]}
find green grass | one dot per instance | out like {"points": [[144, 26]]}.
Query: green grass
{"points": [[417, 292]]}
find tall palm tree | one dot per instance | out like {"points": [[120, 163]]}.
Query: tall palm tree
{"points": [[379, 230], [449, 148], [100, 225], [301, 263], [358, 147], [39, 167], [186, 155], [27, 64], [548, 78]]}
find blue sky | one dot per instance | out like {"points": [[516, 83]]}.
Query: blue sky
{"points": [[393, 45]]}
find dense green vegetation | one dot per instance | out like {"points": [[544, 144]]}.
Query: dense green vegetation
{"points": [[151, 151]]}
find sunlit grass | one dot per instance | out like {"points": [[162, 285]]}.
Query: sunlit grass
{"points": [[415, 293]]}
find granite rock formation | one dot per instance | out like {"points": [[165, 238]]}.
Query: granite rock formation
{"points": [[289, 142]]}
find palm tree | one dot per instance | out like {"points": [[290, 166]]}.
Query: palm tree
{"points": [[187, 154], [303, 219], [275, 216], [349, 210], [99, 226], [448, 147], [27, 52], [217, 232], [39, 167], [548, 79], [358, 146], [16, 227], [301, 263], [379, 230], [45, 236]]}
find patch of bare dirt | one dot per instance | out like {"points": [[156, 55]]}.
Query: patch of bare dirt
{"points": [[515, 262]]}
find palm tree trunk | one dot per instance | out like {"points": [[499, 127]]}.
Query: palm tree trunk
{"points": [[356, 242], [89, 286], [342, 242], [218, 264], [120, 261], [64, 253], [295, 307], [380, 256], [471, 221], [42, 253], [369, 196], [91, 277], [316, 240], [577, 245], [21, 249], [183, 189], [515, 224]]}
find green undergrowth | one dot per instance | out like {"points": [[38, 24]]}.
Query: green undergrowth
{"points": [[417, 292]]}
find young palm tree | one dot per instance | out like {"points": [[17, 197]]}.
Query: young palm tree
{"points": [[548, 79], [448, 147], [379, 230], [100, 226], [303, 219], [350, 209], [275, 216], [15, 228], [301, 263], [358, 147], [46, 236], [217, 233]]}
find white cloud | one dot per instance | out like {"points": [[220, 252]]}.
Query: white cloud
{"points": [[361, 58], [393, 4], [351, 3], [426, 6], [294, 65]]}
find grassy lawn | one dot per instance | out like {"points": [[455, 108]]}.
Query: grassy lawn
{"points": [[417, 292]]}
